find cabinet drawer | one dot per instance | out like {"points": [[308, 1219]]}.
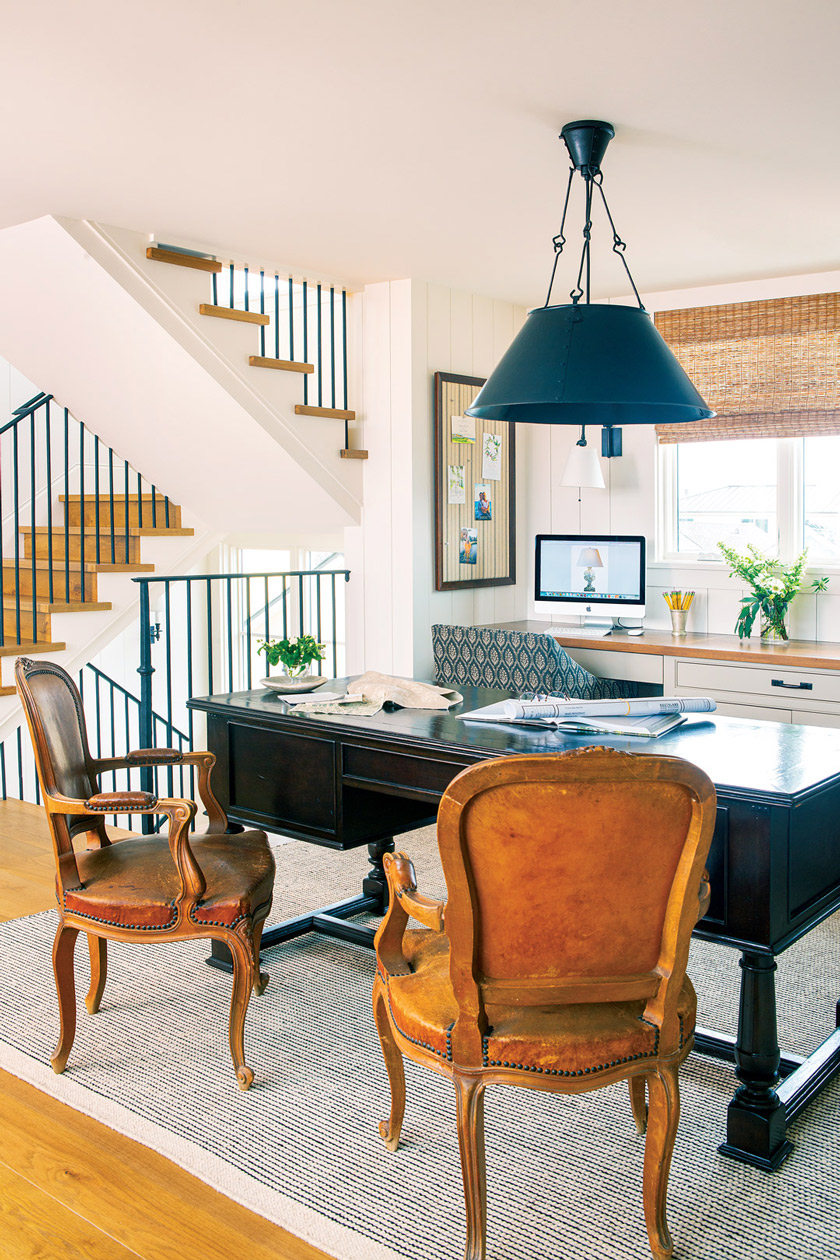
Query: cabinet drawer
{"points": [[760, 712], [396, 772], [777, 682]]}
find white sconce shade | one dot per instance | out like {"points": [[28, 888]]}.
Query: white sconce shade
{"points": [[583, 469]]}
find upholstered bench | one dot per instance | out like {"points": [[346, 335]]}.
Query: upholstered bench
{"points": [[517, 662]]}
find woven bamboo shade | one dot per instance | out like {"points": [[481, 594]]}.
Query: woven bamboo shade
{"points": [[769, 369]]}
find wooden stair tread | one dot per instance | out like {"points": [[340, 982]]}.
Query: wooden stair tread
{"points": [[282, 365], [30, 649], [59, 605], [105, 497], [346, 454], [330, 413], [182, 260], [75, 567], [8, 691], [133, 531], [230, 312]]}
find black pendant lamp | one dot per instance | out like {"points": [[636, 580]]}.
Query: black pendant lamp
{"points": [[584, 363]]}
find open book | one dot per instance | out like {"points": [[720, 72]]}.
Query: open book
{"points": [[649, 716]]}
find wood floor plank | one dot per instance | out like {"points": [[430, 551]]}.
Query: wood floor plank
{"points": [[33, 1226], [127, 1197], [133, 1194]]}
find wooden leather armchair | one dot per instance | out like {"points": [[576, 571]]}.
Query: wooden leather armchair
{"points": [[151, 888], [558, 960]]}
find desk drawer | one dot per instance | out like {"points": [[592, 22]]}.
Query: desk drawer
{"points": [[779, 681], [397, 772]]}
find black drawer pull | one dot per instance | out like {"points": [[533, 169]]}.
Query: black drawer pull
{"points": [[777, 682]]}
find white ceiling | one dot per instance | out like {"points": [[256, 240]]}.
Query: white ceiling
{"points": [[374, 139]]}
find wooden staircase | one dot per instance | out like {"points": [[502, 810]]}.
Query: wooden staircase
{"points": [[67, 559], [175, 258]]}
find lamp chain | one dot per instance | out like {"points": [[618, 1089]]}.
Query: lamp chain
{"points": [[619, 246], [559, 240]]}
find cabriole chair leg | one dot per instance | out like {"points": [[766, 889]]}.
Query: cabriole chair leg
{"points": [[469, 1094], [663, 1119], [98, 948], [242, 951], [65, 983], [390, 1129]]}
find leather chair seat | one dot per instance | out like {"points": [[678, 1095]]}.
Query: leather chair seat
{"points": [[579, 1039], [134, 883]]}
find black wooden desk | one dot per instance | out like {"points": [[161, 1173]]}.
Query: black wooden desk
{"points": [[774, 862]]}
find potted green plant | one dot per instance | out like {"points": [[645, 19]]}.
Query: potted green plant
{"points": [[772, 589], [295, 655]]}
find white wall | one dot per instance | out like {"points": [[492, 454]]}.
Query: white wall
{"points": [[410, 330]]}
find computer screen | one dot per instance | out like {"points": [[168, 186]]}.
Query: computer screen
{"points": [[597, 573]]}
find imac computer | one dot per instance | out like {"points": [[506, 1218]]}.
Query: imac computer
{"points": [[600, 577]]}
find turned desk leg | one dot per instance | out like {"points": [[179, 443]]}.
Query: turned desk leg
{"points": [[755, 1122], [375, 884]]}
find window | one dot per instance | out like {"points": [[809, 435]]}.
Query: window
{"points": [[782, 495]]}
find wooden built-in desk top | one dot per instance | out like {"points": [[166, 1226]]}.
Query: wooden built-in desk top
{"points": [[804, 653]]}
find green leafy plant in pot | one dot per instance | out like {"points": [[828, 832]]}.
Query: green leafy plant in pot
{"points": [[772, 589], [295, 655]]}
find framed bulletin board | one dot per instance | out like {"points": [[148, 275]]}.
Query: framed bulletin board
{"points": [[475, 497]]}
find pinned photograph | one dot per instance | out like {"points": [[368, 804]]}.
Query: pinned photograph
{"points": [[491, 464], [457, 484], [468, 553], [483, 503]]}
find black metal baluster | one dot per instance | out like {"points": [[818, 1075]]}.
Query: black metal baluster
{"points": [[301, 618], [190, 678], [332, 345], [209, 639], [154, 509], [230, 634], [276, 316], [67, 512], [126, 488], [215, 290], [16, 527], [20, 767], [111, 504], [344, 353], [32, 478], [262, 311], [318, 616], [230, 274], [320, 367], [48, 424], [96, 495], [140, 491], [127, 772], [291, 322], [82, 496], [167, 629], [305, 344], [145, 670], [247, 295], [334, 627], [248, 629]]}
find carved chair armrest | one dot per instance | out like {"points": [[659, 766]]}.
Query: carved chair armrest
{"points": [[404, 901], [203, 760], [179, 811]]}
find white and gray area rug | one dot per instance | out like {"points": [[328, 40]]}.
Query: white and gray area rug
{"points": [[302, 1147]]}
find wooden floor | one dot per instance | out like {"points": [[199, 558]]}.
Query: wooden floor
{"points": [[72, 1189]]}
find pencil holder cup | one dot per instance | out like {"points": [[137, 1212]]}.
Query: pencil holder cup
{"points": [[678, 616]]}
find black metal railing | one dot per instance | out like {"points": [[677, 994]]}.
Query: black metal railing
{"points": [[67, 502], [200, 634], [112, 716], [308, 325]]}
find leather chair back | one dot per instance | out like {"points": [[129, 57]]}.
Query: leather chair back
{"points": [[569, 877]]}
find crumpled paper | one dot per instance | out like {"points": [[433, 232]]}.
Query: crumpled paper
{"points": [[367, 694]]}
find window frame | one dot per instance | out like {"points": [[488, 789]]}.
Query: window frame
{"points": [[790, 464]]}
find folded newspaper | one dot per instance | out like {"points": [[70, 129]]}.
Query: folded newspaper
{"points": [[368, 693], [650, 716]]}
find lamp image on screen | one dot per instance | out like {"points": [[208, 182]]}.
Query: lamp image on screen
{"points": [[590, 559]]}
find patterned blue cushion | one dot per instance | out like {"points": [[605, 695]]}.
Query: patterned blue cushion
{"points": [[516, 662]]}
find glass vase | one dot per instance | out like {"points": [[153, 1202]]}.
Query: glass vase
{"points": [[773, 628]]}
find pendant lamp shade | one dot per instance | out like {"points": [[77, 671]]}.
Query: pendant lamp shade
{"points": [[583, 469], [589, 364]]}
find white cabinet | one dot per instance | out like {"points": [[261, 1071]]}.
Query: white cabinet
{"points": [[771, 692]]}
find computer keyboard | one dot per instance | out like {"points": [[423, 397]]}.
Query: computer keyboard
{"points": [[580, 632]]}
